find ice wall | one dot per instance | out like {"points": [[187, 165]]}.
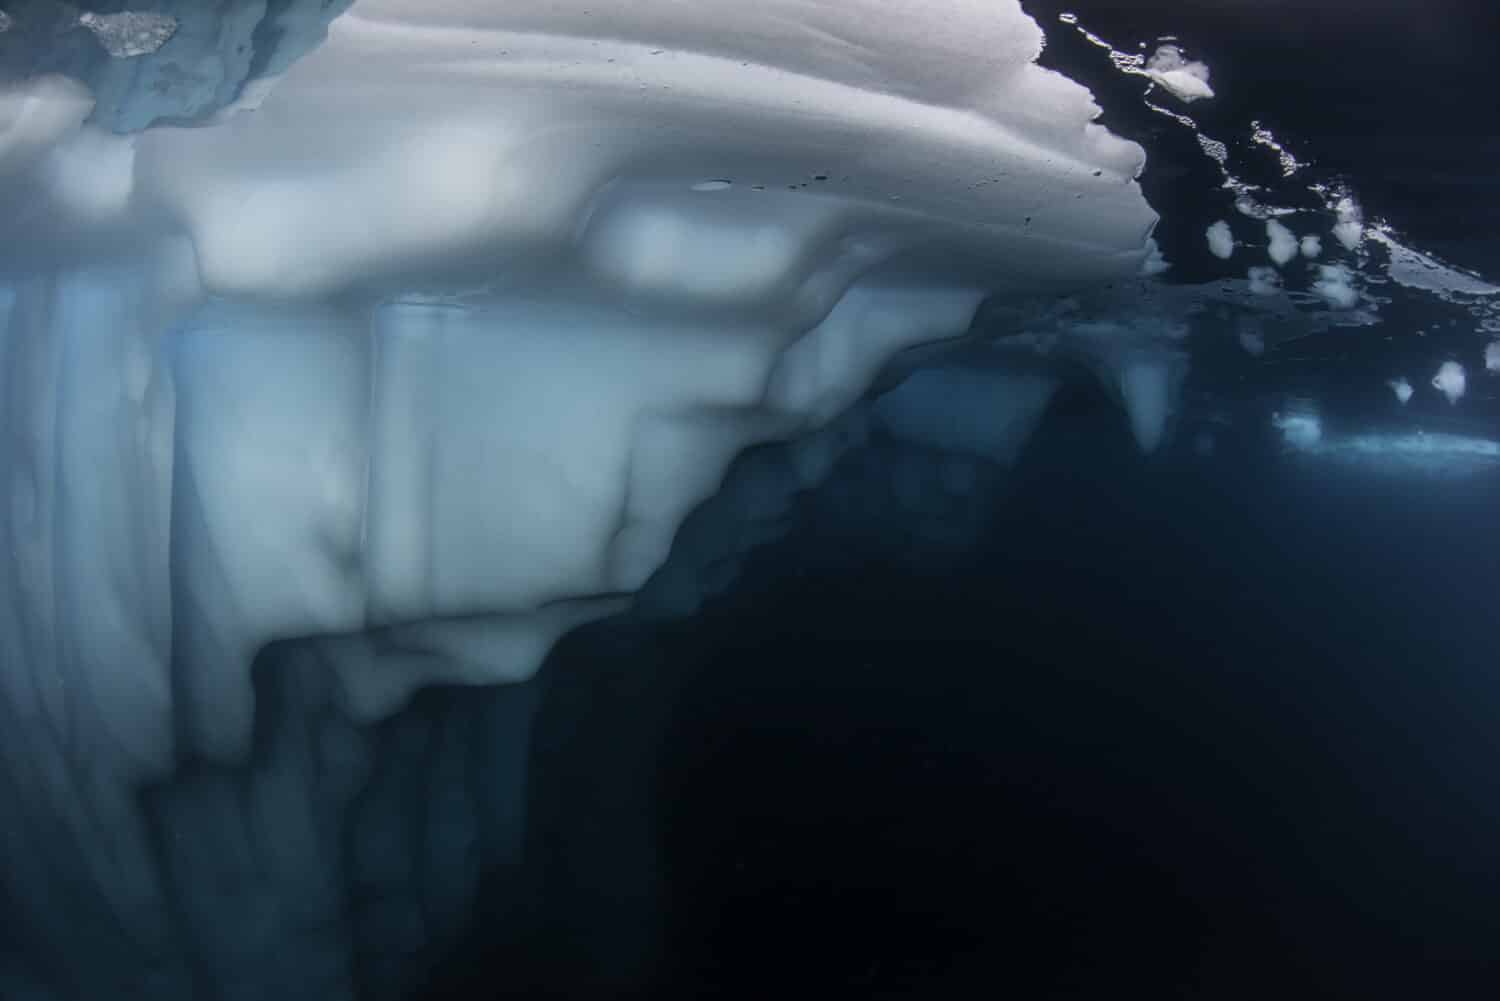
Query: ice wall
{"points": [[423, 347]]}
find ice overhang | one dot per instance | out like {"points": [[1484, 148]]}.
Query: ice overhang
{"points": [[454, 320]]}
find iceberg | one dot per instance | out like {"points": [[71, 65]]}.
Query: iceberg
{"points": [[420, 348], [352, 350]]}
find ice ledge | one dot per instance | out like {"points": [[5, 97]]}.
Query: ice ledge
{"points": [[481, 301]]}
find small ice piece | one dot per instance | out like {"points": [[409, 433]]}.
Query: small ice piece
{"points": [[1492, 357], [4, 21], [1252, 341], [1155, 263], [1264, 280], [1335, 286], [1283, 243], [1401, 388], [130, 33], [1350, 229], [1220, 240], [1186, 80], [1311, 246], [1301, 427], [1450, 381]]}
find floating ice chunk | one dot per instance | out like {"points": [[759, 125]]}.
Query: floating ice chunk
{"points": [[1350, 228], [1311, 246], [1451, 381], [130, 33], [1492, 357], [1283, 245], [1220, 240], [1155, 263], [1335, 286], [4, 21], [1264, 280], [1186, 80], [1252, 341], [1401, 388], [1301, 427]]}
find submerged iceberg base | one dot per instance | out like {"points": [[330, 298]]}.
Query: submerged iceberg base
{"points": [[341, 392]]}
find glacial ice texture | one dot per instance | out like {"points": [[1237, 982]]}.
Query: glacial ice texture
{"points": [[402, 360], [352, 351], [130, 33]]}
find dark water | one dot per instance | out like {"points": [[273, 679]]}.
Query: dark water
{"points": [[1182, 727], [1173, 728]]}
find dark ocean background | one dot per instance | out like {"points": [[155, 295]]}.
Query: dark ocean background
{"points": [[1184, 726]]}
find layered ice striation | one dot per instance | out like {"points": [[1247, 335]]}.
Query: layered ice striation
{"points": [[414, 354]]}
